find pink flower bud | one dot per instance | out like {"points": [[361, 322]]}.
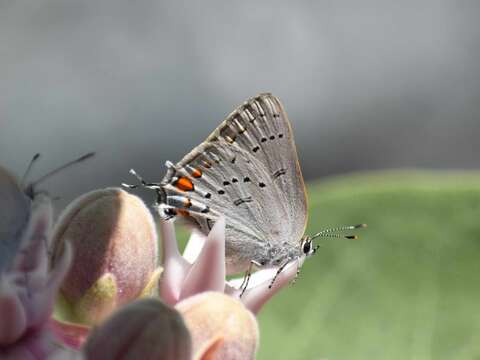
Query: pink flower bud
{"points": [[145, 329], [115, 245], [213, 315]]}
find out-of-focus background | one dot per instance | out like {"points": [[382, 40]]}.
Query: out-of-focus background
{"points": [[367, 85]]}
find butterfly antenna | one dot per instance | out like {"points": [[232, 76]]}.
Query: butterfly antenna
{"points": [[54, 171], [143, 183], [332, 232], [29, 168]]}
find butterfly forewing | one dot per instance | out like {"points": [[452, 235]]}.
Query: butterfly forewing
{"points": [[247, 170]]}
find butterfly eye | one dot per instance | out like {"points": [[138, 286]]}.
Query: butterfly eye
{"points": [[307, 246]]}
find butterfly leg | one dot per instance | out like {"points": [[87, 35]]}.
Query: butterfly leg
{"points": [[280, 269], [247, 276], [298, 271], [296, 276]]}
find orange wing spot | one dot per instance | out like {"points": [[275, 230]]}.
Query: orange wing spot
{"points": [[184, 184], [187, 202], [183, 212], [196, 173]]}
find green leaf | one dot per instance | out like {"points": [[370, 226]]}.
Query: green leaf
{"points": [[408, 289]]}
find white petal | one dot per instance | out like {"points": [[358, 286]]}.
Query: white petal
{"points": [[174, 265], [255, 297], [208, 271], [194, 246]]}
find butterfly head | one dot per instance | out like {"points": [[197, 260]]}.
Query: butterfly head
{"points": [[307, 246]]}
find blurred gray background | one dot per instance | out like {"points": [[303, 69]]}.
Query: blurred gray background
{"points": [[367, 85]]}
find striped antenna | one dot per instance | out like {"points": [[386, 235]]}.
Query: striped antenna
{"points": [[331, 232], [60, 168], [30, 188]]}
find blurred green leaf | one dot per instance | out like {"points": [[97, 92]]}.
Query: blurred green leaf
{"points": [[408, 289]]}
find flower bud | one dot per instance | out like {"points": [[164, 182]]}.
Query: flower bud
{"points": [[115, 253], [145, 329], [211, 315]]}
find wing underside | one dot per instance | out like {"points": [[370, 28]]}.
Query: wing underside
{"points": [[247, 170]]}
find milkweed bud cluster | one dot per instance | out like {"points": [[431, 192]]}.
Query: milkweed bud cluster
{"points": [[97, 267]]}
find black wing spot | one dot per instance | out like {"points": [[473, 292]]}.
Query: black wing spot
{"points": [[242, 200], [226, 183], [233, 160], [246, 179], [280, 136], [256, 148], [208, 195], [272, 137], [262, 185], [234, 180], [263, 139], [221, 192], [205, 210], [279, 172]]}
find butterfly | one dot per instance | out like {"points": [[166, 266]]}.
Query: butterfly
{"points": [[248, 171], [17, 200]]}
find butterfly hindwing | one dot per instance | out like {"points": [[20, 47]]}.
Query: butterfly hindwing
{"points": [[247, 170]]}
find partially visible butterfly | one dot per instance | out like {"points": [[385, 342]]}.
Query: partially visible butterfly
{"points": [[247, 170], [16, 200]]}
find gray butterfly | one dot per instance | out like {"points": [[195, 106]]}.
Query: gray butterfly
{"points": [[248, 171], [17, 199]]}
